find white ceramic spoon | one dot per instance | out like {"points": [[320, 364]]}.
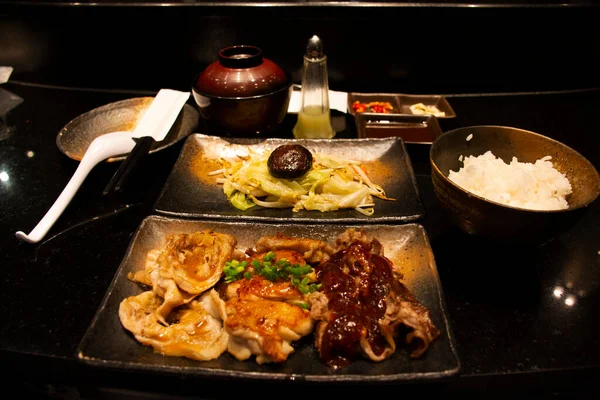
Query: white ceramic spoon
{"points": [[101, 148], [156, 122]]}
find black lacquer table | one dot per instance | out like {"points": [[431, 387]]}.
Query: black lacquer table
{"points": [[524, 319]]}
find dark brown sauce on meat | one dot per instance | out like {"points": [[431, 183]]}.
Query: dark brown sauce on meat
{"points": [[356, 283]]}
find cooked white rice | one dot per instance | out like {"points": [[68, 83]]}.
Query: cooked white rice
{"points": [[537, 186]]}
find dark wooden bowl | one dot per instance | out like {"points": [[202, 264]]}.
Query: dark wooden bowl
{"points": [[478, 216], [242, 93], [244, 116]]}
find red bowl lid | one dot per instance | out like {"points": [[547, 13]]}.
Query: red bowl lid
{"points": [[241, 71]]}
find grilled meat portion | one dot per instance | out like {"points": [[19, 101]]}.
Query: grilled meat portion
{"points": [[262, 318], [358, 305], [264, 328], [352, 235], [261, 288], [312, 250], [362, 305]]}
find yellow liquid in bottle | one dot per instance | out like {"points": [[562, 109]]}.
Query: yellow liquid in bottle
{"points": [[313, 123]]}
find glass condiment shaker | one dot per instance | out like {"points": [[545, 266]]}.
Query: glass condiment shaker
{"points": [[314, 119]]}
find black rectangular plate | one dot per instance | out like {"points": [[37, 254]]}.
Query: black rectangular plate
{"points": [[107, 344], [190, 192]]}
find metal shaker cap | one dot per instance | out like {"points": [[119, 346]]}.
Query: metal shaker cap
{"points": [[314, 49]]}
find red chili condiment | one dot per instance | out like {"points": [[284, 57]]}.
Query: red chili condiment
{"points": [[356, 302], [379, 107]]}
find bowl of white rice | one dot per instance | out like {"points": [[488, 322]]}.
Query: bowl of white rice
{"points": [[511, 184]]}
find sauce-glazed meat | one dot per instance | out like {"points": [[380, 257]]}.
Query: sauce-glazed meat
{"points": [[312, 250], [361, 306], [264, 328], [204, 297], [263, 315]]}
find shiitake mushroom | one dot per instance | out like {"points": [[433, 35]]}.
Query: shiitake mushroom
{"points": [[289, 161]]}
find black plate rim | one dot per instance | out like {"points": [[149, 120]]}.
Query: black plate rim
{"points": [[201, 372]]}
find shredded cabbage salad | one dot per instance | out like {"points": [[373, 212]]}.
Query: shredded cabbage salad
{"points": [[330, 184]]}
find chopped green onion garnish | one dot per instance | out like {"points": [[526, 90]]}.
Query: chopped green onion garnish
{"points": [[273, 270], [270, 256]]}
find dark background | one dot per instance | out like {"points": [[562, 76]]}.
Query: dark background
{"points": [[444, 47]]}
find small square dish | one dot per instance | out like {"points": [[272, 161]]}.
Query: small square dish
{"points": [[191, 191], [417, 129], [423, 103], [359, 103], [108, 344]]}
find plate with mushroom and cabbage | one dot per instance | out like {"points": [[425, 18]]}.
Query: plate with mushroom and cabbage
{"points": [[292, 180]]}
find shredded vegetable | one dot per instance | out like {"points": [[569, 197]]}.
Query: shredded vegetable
{"points": [[329, 185]]}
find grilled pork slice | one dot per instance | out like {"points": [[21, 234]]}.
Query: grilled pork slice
{"points": [[362, 306], [264, 328], [404, 309], [352, 235], [195, 330], [312, 250]]}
